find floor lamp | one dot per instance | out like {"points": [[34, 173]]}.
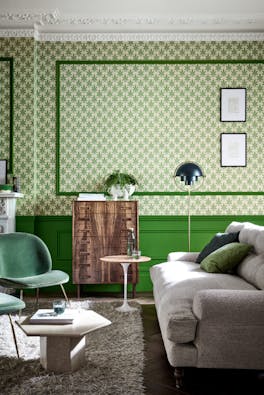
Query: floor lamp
{"points": [[188, 174]]}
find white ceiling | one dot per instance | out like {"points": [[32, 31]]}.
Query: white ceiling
{"points": [[133, 16]]}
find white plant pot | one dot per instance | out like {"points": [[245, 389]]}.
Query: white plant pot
{"points": [[129, 189], [121, 193], [116, 192]]}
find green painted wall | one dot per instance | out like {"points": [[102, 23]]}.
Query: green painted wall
{"points": [[159, 235]]}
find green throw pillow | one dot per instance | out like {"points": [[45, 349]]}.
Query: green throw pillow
{"points": [[226, 258]]}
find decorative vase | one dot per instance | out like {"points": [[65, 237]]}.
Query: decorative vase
{"points": [[129, 189], [118, 192]]}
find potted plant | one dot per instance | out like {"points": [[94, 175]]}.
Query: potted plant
{"points": [[120, 185]]}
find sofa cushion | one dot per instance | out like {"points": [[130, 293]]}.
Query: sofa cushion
{"points": [[252, 270], [253, 234], [219, 240], [249, 233], [236, 226], [226, 258]]}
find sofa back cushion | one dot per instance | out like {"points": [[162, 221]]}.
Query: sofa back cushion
{"points": [[219, 240], [252, 270], [252, 266], [226, 258], [249, 234]]}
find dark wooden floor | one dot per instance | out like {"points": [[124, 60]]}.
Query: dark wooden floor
{"points": [[159, 378]]}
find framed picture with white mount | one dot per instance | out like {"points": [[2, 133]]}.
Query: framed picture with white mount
{"points": [[233, 104], [233, 147]]}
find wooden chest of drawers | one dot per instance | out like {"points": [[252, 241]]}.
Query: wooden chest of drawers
{"points": [[100, 229]]}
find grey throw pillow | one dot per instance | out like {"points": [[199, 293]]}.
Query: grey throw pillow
{"points": [[219, 240]]}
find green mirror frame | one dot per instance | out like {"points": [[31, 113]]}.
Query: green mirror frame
{"points": [[9, 108]]}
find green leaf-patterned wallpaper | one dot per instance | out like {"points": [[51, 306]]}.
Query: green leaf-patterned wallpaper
{"points": [[156, 121], [145, 118]]}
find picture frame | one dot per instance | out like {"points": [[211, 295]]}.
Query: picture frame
{"points": [[3, 171], [233, 149], [233, 104]]}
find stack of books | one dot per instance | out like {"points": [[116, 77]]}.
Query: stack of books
{"points": [[48, 316], [91, 196]]}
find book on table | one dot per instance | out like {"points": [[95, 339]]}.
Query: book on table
{"points": [[48, 316], [91, 196]]}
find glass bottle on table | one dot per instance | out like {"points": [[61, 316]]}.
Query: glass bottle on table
{"points": [[131, 241]]}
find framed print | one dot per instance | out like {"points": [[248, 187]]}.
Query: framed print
{"points": [[233, 105], [3, 171], [233, 149]]}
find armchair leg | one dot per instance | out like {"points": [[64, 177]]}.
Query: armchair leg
{"points": [[14, 334], [21, 298], [64, 293], [37, 298], [178, 374]]}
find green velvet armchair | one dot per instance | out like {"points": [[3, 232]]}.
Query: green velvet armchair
{"points": [[25, 262], [10, 304]]}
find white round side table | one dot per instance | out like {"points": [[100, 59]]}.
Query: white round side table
{"points": [[125, 261]]}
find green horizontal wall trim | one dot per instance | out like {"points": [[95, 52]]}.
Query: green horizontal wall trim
{"points": [[151, 61], [53, 218], [197, 193], [168, 61], [159, 235], [194, 193]]}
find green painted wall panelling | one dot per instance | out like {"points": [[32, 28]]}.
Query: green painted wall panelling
{"points": [[159, 235]]}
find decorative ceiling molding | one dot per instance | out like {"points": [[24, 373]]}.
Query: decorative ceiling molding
{"points": [[53, 26], [54, 18], [32, 18], [17, 33], [155, 37], [181, 20], [150, 37]]}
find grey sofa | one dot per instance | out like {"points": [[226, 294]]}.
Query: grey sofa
{"points": [[212, 320]]}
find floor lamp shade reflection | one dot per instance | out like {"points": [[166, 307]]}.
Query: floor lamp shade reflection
{"points": [[189, 174]]}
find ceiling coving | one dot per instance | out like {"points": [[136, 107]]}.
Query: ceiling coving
{"points": [[120, 19]]}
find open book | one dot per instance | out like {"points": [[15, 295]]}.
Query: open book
{"points": [[47, 316]]}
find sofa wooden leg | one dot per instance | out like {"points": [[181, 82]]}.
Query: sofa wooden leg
{"points": [[178, 374]]}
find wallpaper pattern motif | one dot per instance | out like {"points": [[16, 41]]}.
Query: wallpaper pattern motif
{"points": [[35, 126]]}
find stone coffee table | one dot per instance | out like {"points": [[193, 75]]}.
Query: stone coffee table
{"points": [[62, 346]]}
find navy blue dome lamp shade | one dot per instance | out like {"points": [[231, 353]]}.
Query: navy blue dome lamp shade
{"points": [[189, 174]]}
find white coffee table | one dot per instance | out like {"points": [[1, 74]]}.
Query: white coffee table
{"points": [[62, 346]]}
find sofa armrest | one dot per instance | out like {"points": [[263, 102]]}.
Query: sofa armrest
{"points": [[241, 307], [182, 322], [183, 256]]}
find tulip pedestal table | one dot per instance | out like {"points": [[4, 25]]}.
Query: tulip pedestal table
{"points": [[125, 261]]}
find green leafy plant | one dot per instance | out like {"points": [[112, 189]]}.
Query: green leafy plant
{"points": [[118, 178]]}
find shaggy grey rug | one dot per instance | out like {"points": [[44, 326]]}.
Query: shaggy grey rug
{"points": [[114, 357]]}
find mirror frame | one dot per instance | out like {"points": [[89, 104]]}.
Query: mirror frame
{"points": [[11, 110]]}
